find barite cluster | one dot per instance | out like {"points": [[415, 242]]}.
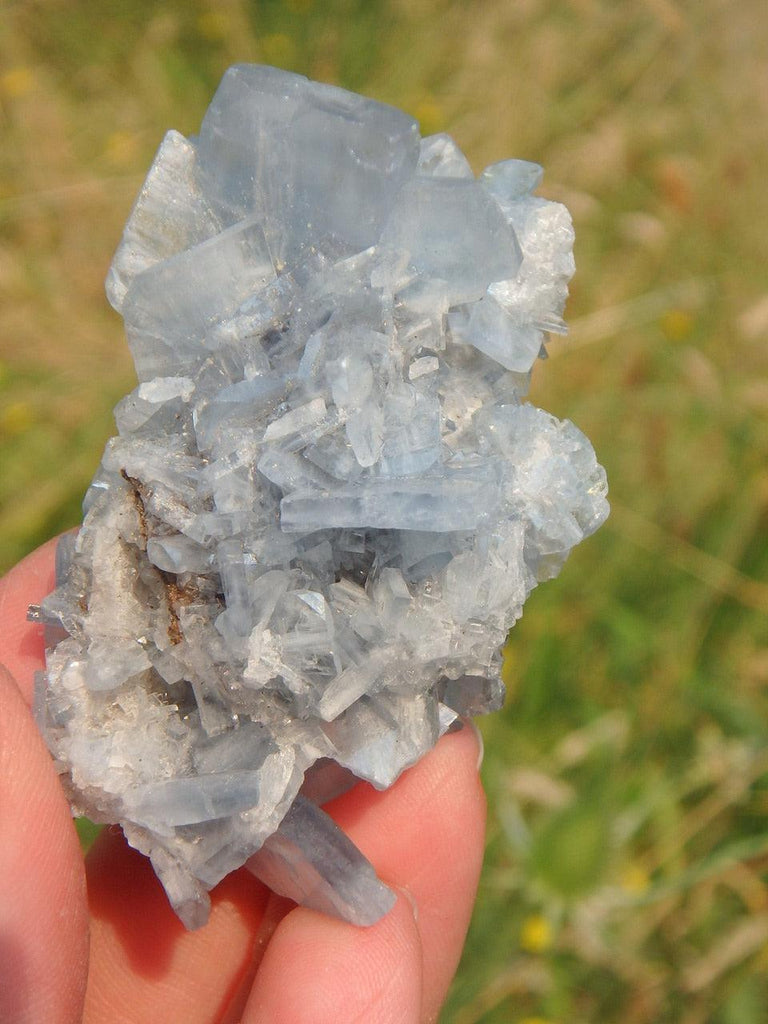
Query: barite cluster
{"points": [[327, 501]]}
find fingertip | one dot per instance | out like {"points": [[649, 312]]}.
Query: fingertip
{"points": [[340, 973], [426, 834]]}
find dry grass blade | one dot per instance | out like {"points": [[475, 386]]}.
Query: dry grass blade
{"points": [[741, 942]]}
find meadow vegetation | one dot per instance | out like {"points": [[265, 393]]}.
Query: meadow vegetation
{"points": [[626, 873]]}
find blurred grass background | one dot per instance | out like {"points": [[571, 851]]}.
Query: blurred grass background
{"points": [[626, 872]]}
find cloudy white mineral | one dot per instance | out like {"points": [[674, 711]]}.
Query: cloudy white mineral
{"points": [[327, 500]]}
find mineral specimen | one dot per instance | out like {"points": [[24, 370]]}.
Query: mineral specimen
{"points": [[327, 500]]}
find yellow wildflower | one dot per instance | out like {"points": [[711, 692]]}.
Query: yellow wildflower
{"points": [[535, 934]]}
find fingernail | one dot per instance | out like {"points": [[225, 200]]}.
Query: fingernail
{"points": [[405, 891], [479, 738]]}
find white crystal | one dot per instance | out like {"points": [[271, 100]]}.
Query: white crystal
{"points": [[327, 502], [170, 215], [440, 157]]}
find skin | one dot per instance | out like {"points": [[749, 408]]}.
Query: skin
{"points": [[96, 941]]}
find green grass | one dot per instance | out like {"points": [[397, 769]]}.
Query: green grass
{"points": [[625, 876]]}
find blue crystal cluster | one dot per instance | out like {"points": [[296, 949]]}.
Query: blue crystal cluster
{"points": [[327, 501]]}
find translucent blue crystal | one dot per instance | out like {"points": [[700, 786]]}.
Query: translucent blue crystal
{"points": [[327, 501]]}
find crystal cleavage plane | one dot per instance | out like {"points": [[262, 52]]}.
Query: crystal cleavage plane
{"points": [[327, 500]]}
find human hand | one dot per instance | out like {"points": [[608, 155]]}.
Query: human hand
{"points": [[259, 959]]}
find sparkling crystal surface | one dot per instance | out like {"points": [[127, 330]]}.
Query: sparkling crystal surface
{"points": [[327, 501]]}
